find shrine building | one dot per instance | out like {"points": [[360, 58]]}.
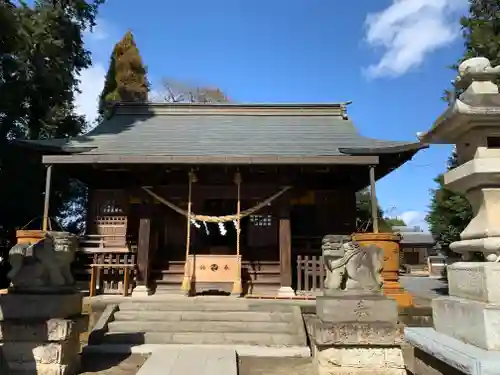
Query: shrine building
{"points": [[220, 197]]}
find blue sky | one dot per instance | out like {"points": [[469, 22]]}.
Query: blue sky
{"points": [[389, 57]]}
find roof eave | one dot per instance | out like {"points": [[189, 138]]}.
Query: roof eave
{"points": [[49, 146], [384, 150]]}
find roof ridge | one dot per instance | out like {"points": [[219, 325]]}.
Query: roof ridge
{"points": [[238, 109]]}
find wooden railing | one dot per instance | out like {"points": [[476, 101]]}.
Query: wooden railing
{"points": [[310, 274], [111, 263]]}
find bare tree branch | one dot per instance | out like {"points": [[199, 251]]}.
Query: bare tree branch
{"points": [[173, 91]]}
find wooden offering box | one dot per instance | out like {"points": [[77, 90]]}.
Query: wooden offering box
{"points": [[29, 236], [213, 271]]}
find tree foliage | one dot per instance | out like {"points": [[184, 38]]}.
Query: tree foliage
{"points": [[174, 91], [364, 222], [126, 79], [41, 57], [449, 212], [481, 34], [394, 222]]}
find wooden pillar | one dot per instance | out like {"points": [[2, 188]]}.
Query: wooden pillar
{"points": [[46, 203], [373, 199], [285, 247], [143, 252]]}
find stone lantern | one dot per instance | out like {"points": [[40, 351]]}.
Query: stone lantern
{"points": [[466, 336], [472, 122]]}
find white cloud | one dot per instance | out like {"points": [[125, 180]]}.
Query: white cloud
{"points": [[92, 79], [100, 31], [91, 84], [415, 218], [408, 30]]}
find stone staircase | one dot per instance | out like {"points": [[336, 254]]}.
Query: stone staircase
{"points": [[206, 321]]}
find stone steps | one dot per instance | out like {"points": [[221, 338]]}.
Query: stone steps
{"points": [[210, 316], [219, 321], [204, 338], [201, 326], [182, 305]]}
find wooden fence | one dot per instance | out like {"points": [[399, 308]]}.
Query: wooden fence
{"points": [[310, 274], [106, 269]]}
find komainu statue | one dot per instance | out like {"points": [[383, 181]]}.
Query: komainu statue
{"points": [[350, 266], [45, 264]]}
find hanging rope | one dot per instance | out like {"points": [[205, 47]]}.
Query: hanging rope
{"points": [[237, 180], [215, 219], [186, 281]]}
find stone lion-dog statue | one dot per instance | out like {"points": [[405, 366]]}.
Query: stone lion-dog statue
{"points": [[43, 264], [350, 266]]}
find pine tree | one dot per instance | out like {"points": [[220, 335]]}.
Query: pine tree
{"points": [[449, 213], [126, 78]]}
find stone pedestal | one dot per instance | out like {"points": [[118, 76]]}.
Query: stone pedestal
{"points": [[389, 242], [141, 291], [39, 333], [356, 334], [466, 334]]}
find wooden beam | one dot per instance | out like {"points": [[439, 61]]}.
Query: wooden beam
{"points": [[373, 199], [207, 160], [285, 242], [46, 203], [144, 250]]}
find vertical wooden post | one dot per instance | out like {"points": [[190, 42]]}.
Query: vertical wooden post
{"points": [[46, 203], [187, 279], [237, 287], [285, 247], [143, 253], [373, 199]]}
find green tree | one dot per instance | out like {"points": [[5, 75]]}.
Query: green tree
{"points": [[126, 77], [449, 213], [41, 57], [364, 222], [394, 222]]}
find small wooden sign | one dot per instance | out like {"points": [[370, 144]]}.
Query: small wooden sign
{"points": [[213, 268]]}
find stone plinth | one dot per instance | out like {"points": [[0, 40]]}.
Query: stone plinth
{"points": [[466, 334], [39, 334], [389, 243], [356, 334]]}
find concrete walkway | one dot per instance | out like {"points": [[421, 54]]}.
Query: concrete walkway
{"points": [[196, 361]]}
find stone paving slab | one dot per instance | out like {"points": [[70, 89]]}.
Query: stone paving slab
{"points": [[275, 366], [112, 364], [196, 361]]}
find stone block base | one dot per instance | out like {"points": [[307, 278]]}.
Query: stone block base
{"points": [[475, 281], [42, 369], [40, 306], [286, 291], [448, 356], [141, 291], [469, 321], [39, 334], [355, 333], [361, 308], [360, 361]]}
